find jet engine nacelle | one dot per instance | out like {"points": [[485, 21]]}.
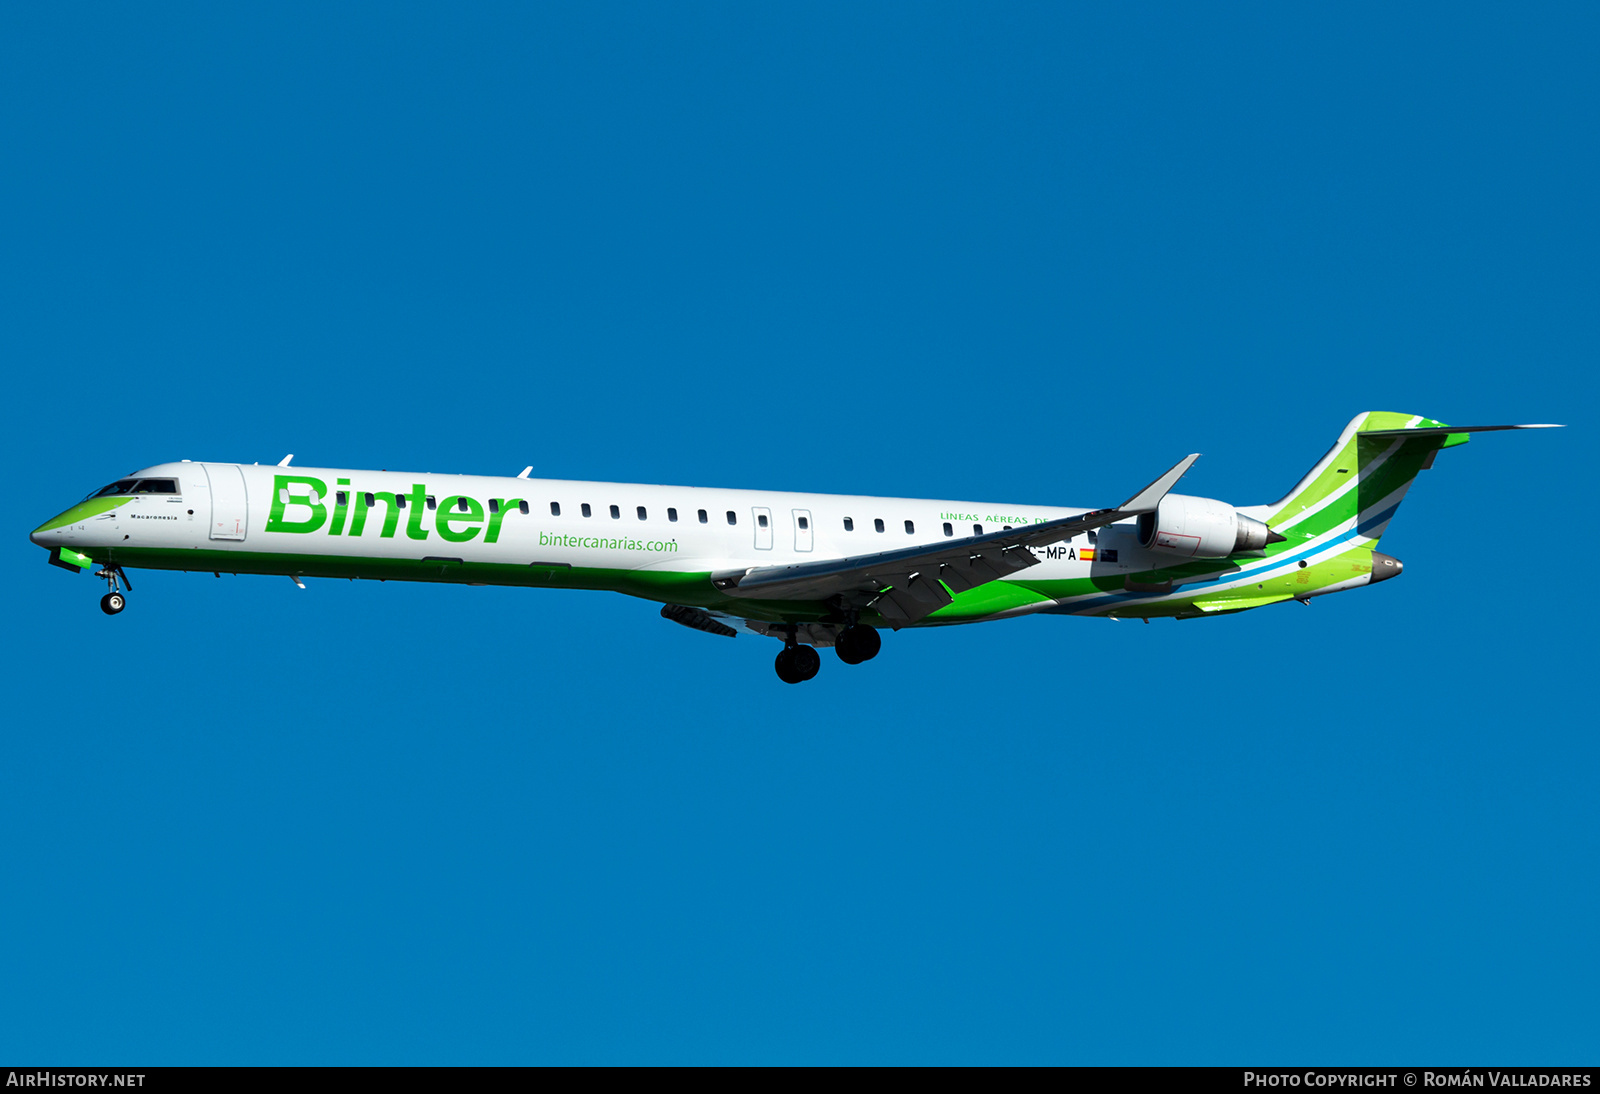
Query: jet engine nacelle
{"points": [[1201, 528]]}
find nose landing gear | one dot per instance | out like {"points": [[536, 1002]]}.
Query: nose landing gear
{"points": [[113, 602]]}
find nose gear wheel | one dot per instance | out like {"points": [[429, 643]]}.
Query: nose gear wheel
{"points": [[115, 579]]}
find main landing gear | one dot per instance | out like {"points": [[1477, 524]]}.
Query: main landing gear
{"points": [[797, 664], [113, 602], [856, 644]]}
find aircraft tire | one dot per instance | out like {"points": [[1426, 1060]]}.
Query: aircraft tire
{"points": [[857, 644], [797, 664], [112, 603], [787, 670]]}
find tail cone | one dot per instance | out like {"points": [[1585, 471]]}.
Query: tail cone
{"points": [[1384, 567]]}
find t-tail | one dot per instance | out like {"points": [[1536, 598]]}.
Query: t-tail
{"points": [[1353, 492]]}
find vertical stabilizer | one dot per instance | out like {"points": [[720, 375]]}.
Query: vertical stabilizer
{"points": [[1363, 478]]}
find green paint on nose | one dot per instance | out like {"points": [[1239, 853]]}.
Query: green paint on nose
{"points": [[84, 510]]}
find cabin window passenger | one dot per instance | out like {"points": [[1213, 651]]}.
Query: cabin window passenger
{"points": [[399, 501], [369, 499], [555, 509], [586, 510], [804, 524], [641, 512], [702, 516], [432, 502], [877, 524], [672, 515], [977, 529], [522, 507], [849, 524], [461, 504], [341, 497], [616, 514], [733, 518], [911, 529], [761, 519], [949, 531], [494, 504]]}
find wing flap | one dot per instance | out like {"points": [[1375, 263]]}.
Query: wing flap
{"points": [[697, 619]]}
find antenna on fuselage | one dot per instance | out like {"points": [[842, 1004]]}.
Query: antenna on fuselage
{"points": [[285, 461], [526, 471]]}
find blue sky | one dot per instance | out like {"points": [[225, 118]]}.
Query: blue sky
{"points": [[1031, 254]]}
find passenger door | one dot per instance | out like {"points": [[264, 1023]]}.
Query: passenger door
{"points": [[230, 508]]}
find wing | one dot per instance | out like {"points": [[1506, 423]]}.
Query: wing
{"points": [[908, 584]]}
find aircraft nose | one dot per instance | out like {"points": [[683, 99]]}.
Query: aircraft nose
{"points": [[1384, 567]]}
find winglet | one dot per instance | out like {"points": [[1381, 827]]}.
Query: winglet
{"points": [[1146, 500]]}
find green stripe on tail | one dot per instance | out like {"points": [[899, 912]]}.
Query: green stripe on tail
{"points": [[1362, 479]]}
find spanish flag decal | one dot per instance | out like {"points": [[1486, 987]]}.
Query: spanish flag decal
{"points": [[1086, 554]]}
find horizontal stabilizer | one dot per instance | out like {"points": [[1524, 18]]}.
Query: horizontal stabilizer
{"points": [[1442, 430]]}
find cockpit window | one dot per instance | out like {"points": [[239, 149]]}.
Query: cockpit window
{"points": [[137, 486], [122, 486]]}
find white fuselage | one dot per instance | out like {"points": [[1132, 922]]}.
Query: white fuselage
{"points": [[600, 525]]}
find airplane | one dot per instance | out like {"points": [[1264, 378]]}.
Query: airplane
{"points": [[811, 570]]}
